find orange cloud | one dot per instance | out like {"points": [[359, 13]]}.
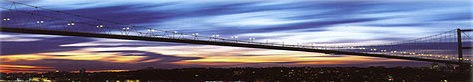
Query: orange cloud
{"points": [[113, 70], [320, 60], [4, 68], [208, 55], [73, 55], [26, 57]]}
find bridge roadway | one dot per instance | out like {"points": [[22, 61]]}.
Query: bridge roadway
{"points": [[233, 44]]}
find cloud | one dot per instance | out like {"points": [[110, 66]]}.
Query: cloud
{"points": [[340, 34], [152, 56], [13, 43], [23, 68], [70, 61], [302, 21], [39, 46]]}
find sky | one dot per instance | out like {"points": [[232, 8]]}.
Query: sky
{"points": [[289, 21]]}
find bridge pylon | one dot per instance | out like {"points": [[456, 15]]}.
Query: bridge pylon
{"points": [[463, 65]]}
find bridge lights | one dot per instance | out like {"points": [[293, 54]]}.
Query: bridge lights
{"points": [[235, 38], [373, 49], [40, 22], [445, 57], [151, 30], [6, 19], [251, 39], [100, 26], [214, 37], [195, 35], [174, 34], [71, 24], [126, 28]]}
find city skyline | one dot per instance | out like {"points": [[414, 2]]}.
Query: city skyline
{"points": [[293, 22]]}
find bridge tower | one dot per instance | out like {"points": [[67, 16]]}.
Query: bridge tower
{"points": [[460, 49], [459, 45], [459, 42]]}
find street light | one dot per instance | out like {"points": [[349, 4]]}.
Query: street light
{"points": [[39, 22], [173, 34], [71, 24], [6, 19], [251, 39], [100, 26], [151, 30], [195, 35], [215, 36], [126, 29], [235, 38]]}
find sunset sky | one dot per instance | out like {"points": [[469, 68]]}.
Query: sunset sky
{"points": [[291, 21]]}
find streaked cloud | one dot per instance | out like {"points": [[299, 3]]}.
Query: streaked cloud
{"points": [[293, 22]]}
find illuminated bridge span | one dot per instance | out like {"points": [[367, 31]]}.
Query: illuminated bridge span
{"points": [[446, 47]]}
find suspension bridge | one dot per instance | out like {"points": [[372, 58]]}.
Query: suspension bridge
{"points": [[447, 47]]}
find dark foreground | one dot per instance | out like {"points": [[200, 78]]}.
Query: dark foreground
{"points": [[274, 74]]}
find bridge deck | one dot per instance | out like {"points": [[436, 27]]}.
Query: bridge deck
{"points": [[234, 44]]}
